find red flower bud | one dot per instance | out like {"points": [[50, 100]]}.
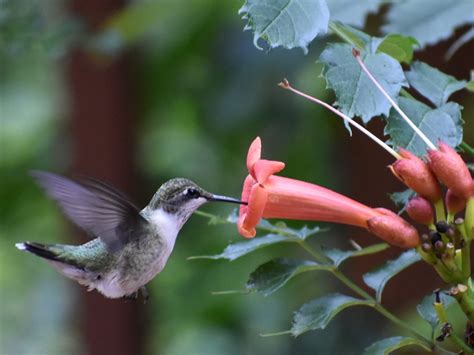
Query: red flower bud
{"points": [[393, 229], [449, 167], [420, 210], [454, 203], [416, 174]]}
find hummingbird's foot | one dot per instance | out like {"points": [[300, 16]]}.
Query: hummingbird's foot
{"points": [[145, 294], [131, 297]]}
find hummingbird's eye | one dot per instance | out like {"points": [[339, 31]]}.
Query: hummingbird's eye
{"points": [[192, 193]]}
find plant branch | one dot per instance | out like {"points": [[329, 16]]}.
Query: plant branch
{"points": [[377, 306], [466, 148]]}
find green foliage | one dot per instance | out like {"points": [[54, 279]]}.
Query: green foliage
{"points": [[443, 123], [429, 21], [426, 309], [432, 83], [273, 275], [338, 256], [386, 346], [317, 313], [287, 23], [399, 47], [352, 12], [278, 234], [377, 279], [356, 94]]}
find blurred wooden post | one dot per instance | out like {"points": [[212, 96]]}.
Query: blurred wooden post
{"points": [[102, 132]]}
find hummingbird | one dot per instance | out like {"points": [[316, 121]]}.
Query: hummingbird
{"points": [[130, 247]]}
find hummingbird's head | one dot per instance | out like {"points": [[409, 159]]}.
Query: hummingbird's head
{"points": [[181, 197]]}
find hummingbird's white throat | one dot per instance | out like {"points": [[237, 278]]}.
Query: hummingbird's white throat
{"points": [[169, 224]]}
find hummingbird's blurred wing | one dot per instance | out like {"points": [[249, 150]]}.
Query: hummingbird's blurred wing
{"points": [[96, 207]]}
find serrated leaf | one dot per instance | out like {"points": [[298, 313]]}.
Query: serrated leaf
{"points": [[273, 275], [286, 23], [429, 21], [401, 198], [426, 309], [433, 84], [282, 228], [378, 278], [317, 313], [386, 346], [352, 12], [399, 47], [237, 250], [443, 123], [356, 94], [339, 256], [277, 228]]}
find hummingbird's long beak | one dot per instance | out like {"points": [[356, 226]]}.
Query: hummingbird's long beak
{"points": [[225, 199]]}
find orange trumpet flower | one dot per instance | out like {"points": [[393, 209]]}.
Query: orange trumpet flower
{"points": [[271, 196]]}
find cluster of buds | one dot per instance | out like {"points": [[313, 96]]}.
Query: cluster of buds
{"points": [[448, 236]]}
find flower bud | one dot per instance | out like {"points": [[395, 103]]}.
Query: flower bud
{"points": [[439, 246], [393, 229], [427, 248], [449, 167], [420, 210], [415, 173], [454, 203], [435, 237]]}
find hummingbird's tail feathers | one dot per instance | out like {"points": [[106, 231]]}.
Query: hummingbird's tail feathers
{"points": [[38, 249]]}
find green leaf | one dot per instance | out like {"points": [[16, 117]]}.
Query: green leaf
{"points": [[352, 12], [426, 309], [386, 346], [399, 47], [401, 198], [443, 123], [470, 86], [317, 313], [273, 275], [378, 278], [429, 21], [287, 23], [356, 94], [237, 250], [433, 84], [339, 256]]}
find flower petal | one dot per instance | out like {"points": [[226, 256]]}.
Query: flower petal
{"points": [[254, 154], [263, 169], [256, 205]]}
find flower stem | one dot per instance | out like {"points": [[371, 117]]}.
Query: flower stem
{"points": [[286, 85], [466, 259], [466, 148], [356, 54], [377, 306], [440, 212]]}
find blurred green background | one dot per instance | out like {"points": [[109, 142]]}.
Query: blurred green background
{"points": [[198, 92]]}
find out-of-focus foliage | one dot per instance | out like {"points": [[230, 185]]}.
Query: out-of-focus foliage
{"points": [[429, 21]]}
